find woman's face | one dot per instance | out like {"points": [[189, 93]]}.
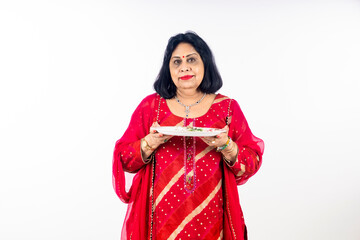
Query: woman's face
{"points": [[186, 67]]}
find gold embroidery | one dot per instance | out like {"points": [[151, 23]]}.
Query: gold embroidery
{"points": [[179, 174], [196, 211], [228, 210]]}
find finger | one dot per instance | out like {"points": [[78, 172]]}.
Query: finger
{"points": [[205, 140], [165, 137], [222, 135], [161, 136], [154, 131], [158, 135]]}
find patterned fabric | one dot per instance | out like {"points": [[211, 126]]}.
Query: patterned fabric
{"points": [[180, 214], [212, 210]]}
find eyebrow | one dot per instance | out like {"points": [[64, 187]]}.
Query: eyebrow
{"points": [[186, 55]]}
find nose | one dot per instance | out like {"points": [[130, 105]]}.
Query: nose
{"points": [[184, 67]]}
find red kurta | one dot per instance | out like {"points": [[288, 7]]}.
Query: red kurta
{"points": [[212, 209]]}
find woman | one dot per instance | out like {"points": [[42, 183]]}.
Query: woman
{"points": [[186, 187]]}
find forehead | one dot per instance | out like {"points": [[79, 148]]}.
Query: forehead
{"points": [[183, 49]]}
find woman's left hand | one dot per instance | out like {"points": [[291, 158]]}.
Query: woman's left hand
{"points": [[218, 140]]}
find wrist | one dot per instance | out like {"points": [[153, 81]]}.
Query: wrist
{"points": [[145, 145], [230, 154], [229, 150], [226, 145], [229, 162]]}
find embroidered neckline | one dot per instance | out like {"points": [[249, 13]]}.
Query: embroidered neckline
{"points": [[218, 95]]}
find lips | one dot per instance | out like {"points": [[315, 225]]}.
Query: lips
{"points": [[186, 77]]}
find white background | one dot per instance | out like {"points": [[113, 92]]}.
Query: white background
{"points": [[72, 72]]}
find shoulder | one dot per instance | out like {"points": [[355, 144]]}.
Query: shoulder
{"points": [[229, 103], [151, 97], [147, 104], [150, 100], [225, 100], [231, 108]]}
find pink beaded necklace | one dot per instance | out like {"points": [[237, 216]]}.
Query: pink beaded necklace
{"points": [[189, 162]]}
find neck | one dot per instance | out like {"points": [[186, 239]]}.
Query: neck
{"points": [[188, 97]]}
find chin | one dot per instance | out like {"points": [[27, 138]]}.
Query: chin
{"points": [[186, 87]]}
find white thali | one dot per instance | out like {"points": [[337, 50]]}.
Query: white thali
{"points": [[188, 132]]}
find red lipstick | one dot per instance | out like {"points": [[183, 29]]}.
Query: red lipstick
{"points": [[186, 77]]}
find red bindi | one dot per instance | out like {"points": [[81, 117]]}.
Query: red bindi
{"points": [[183, 57]]}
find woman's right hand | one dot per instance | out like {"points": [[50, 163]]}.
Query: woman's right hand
{"points": [[154, 139]]}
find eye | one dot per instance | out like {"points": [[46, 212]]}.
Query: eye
{"points": [[191, 60], [177, 61]]}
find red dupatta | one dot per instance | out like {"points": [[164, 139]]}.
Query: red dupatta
{"points": [[127, 158], [136, 224]]}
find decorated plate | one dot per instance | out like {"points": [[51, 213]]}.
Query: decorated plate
{"points": [[188, 131]]}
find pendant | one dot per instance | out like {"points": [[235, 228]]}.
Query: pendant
{"points": [[187, 110], [189, 183], [189, 162]]}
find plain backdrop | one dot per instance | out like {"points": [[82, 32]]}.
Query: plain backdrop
{"points": [[72, 72]]}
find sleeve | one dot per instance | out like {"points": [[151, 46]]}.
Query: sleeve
{"points": [[127, 150], [251, 148]]}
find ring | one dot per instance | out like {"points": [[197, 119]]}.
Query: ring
{"points": [[213, 142]]}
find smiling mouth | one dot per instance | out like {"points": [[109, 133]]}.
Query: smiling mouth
{"points": [[187, 77]]}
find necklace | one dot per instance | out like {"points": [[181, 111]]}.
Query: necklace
{"points": [[187, 107], [189, 151]]}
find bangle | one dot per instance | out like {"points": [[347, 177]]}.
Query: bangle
{"points": [[148, 159], [228, 162], [146, 145], [218, 149]]}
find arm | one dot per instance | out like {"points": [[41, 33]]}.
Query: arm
{"points": [[128, 148], [245, 156]]}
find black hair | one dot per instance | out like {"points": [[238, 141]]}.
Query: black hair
{"points": [[211, 82]]}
